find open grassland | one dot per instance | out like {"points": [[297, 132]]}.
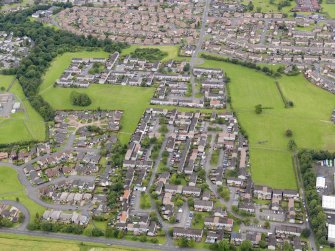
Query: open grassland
{"points": [[11, 242], [329, 9], [132, 100], [11, 189], [171, 50], [309, 120], [22, 126], [267, 7]]}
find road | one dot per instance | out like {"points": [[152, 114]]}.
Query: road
{"points": [[201, 40]]}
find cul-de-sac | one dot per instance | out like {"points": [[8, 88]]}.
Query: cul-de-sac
{"points": [[167, 125]]}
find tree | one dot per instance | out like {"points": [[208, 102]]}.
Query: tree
{"points": [[287, 246], [2, 88], [305, 233], [80, 99], [292, 145], [183, 242], [267, 224], [288, 133], [186, 67], [250, 6], [258, 109], [246, 245]]}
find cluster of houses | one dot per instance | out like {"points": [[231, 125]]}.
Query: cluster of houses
{"points": [[324, 78], [307, 6], [85, 123], [150, 23], [129, 71], [13, 49], [274, 240], [21, 155], [283, 41], [139, 224], [77, 192], [9, 212], [175, 89], [173, 79], [137, 164], [63, 217], [74, 192]]}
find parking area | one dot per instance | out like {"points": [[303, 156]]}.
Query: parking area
{"points": [[7, 101]]}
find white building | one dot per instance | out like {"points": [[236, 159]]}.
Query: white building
{"points": [[328, 202], [320, 183], [331, 233]]}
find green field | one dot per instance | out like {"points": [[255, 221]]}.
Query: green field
{"points": [[11, 189], [267, 7], [309, 120], [329, 9], [171, 50], [21, 126], [14, 242], [133, 100]]}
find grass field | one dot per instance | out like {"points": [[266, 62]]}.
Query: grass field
{"points": [[171, 50], [11, 189], [133, 100], [21, 126], [309, 120], [328, 8], [266, 7], [11, 242]]}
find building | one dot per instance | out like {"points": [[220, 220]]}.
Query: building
{"points": [[195, 234], [331, 233], [328, 202]]}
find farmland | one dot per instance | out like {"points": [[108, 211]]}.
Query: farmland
{"points": [[270, 159]]}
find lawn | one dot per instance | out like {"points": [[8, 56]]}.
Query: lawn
{"points": [[145, 202], [215, 157], [266, 7], [271, 162], [132, 100], [14, 242], [11, 189], [328, 8], [21, 126], [171, 50]]}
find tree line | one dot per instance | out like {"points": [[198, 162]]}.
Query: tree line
{"points": [[48, 44]]}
